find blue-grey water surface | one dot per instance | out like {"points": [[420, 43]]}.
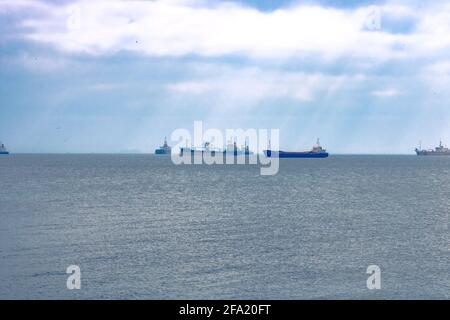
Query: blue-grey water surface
{"points": [[140, 227]]}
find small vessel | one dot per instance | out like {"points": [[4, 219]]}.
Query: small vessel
{"points": [[438, 151], [316, 152], [3, 149], [164, 149]]}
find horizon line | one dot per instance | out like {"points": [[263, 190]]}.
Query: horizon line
{"points": [[148, 153]]}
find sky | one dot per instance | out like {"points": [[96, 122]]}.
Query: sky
{"points": [[117, 76]]}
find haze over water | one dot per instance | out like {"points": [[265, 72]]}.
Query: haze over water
{"points": [[140, 227]]}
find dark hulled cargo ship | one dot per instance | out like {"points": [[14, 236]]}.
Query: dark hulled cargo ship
{"points": [[316, 152]]}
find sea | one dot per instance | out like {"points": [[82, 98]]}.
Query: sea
{"points": [[140, 227]]}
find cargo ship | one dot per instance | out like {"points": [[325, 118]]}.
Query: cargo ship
{"points": [[438, 151], [3, 149], [207, 149], [164, 149], [233, 149], [316, 152]]}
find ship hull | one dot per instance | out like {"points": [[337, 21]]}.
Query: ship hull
{"points": [[162, 152], [287, 154], [425, 153], [4, 152]]}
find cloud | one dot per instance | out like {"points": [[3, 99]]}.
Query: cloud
{"points": [[254, 84], [11, 6], [178, 28], [105, 86], [440, 68], [386, 93], [40, 63]]}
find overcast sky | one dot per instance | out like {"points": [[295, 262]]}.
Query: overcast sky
{"points": [[118, 76]]}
